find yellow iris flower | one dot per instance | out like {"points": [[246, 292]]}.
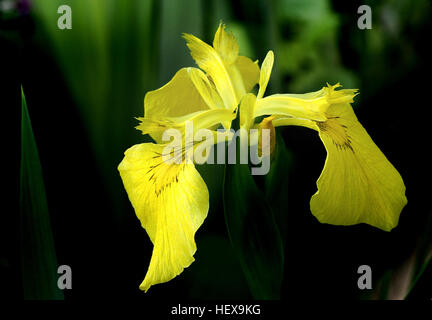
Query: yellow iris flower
{"points": [[358, 184], [170, 199]]}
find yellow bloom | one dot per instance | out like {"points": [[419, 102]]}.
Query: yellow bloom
{"points": [[171, 199], [358, 184]]}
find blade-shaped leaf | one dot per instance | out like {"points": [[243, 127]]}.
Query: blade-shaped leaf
{"points": [[421, 282], [38, 257], [277, 184], [423, 268], [253, 232], [109, 59]]}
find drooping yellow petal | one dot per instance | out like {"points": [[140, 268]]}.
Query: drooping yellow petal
{"points": [[266, 70], [358, 184], [171, 201], [208, 59], [178, 97]]}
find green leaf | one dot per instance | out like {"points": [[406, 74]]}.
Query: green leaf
{"points": [[253, 232], [277, 184], [423, 265], [420, 279], [109, 60], [38, 257]]}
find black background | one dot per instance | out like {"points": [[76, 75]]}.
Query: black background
{"points": [[323, 260]]}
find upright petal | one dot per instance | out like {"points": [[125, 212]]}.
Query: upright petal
{"points": [[208, 59], [178, 97], [358, 184], [171, 201], [243, 78], [226, 45], [206, 88], [266, 69]]}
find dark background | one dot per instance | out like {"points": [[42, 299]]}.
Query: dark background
{"points": [[85, 86]]}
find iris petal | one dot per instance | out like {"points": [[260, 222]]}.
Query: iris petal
{"points": [[246, 111], [171, 201], [208, 59], [266, 69], [177, 98], [208, 119], [205, 88], [358, 184], [250, 72], [226, 45], [311, 106]]}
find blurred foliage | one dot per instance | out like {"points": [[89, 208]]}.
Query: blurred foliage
{"points": [[38, 255], [109, 61], [309, 52]]}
